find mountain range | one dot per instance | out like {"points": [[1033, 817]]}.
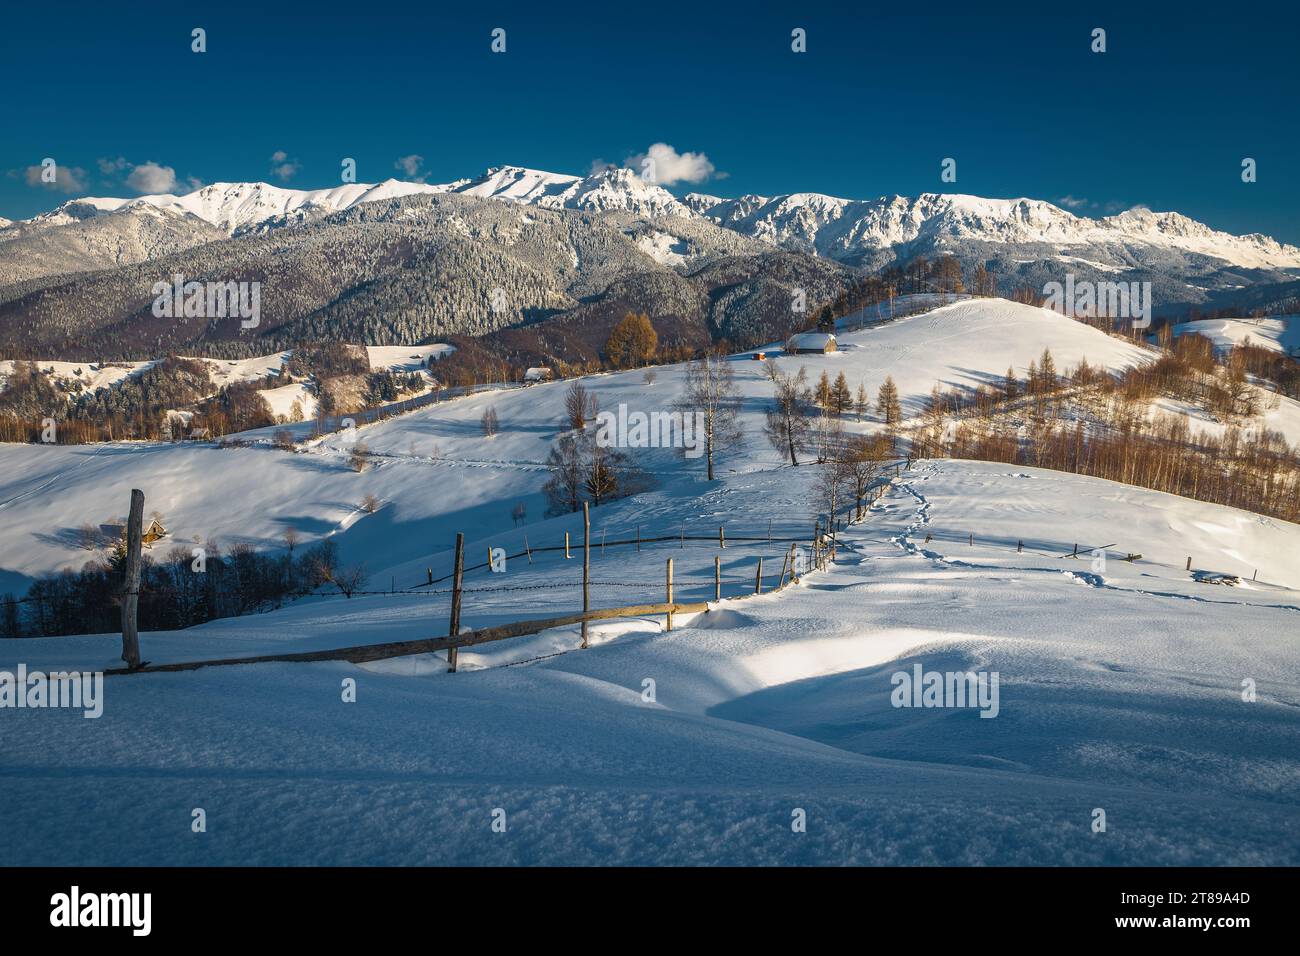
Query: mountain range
{"points": [[397, 261]]}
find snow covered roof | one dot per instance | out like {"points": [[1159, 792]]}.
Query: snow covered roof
{"points": [[537, 374], [811, 340]]}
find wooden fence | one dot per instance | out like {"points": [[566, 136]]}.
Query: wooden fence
{"points": [[820, 548]]}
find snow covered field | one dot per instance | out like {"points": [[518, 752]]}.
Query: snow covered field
{"points": [[1120, 690], [1121, 683]]}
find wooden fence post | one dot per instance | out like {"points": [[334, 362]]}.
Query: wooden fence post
{"points": [[769, 532], [722, 538], [586, 568], [1189, 563], [1020, 547], [758, 578], [131, 593], [717, 578], [566, 546], [429, 572], [453, 630], [638, 538], [1076, 550], [669, 600], [527, 550]]}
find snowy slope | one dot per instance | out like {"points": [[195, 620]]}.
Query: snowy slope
{"points": [[1119, 690], [1120, 682], [1279, 333], [960, 345]]}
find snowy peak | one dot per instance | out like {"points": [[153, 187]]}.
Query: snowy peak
{"points": [[234, 207], [515, 183], [610, 189]]}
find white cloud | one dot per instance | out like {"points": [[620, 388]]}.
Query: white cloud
{"points": [[670, 167], [282, 167], [411, 166], [111, 166], [150, 177], [1071, 202], [67, 179]]}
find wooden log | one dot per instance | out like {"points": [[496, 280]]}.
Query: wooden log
{"points": [[364, 653], [586, 569], [457, 575], [131, 592], [669, 621]]}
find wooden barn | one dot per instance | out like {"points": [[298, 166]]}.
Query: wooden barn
{"points": [[534, 375], [806, 343], [153, 531]]}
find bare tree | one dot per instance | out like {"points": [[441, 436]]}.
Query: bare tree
{"points": [[369, 504], [864, 459], [564, 488], [787, 423], [349, 580], [489, 424], [834, 473], [713, 400], [580, 405]]}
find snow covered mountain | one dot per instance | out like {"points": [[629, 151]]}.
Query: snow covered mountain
{"points": [[850, 229], [1023, 242], [239, 207]]}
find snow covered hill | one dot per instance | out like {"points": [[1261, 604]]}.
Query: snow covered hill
{"points": [[1121, 683], [1279, 333], [1120, 691]]}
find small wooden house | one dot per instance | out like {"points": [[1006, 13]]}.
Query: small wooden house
{"points": [[535, 375], [153, 531], [758, 356], [810, 343]]}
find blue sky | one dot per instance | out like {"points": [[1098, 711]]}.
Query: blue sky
{"points": [[1013, 93]]}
